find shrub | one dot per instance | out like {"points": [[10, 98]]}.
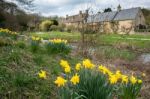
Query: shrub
{"points": [[57, 46], [87, 81], [55, 22], [54, 28], [71, 28], [45, 25], [62, 27]]}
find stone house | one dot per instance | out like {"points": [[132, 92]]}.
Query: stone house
{"points": [[121, 21], [75, 20]]}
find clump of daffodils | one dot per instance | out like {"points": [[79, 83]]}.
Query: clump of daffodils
{"points": [[118, 77], [8, 34], [35, 43], [7, 31], [58, 41], [34, 38], [57, 46], [92, 77]]}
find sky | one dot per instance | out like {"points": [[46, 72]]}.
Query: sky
{"points": [[70, 7]]}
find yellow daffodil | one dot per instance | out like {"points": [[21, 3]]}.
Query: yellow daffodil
{"points": [[67, 69], [113, 79], [105, 70], [78, 66], [75, 79], [42, 74], [33, 38], [118, 74], [87, 64], [37, 38], [60, 81], [143, 74], [133, 80], [124, 79], [64, 63], [139, 81]]}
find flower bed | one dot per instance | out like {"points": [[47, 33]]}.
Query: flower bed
{"points": [[88, 81], [57, 46]]}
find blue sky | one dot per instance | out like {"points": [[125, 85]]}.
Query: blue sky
{"points": [[70, 7]]}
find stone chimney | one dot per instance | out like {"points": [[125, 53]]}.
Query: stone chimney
{"points": [[87, 12], [67, 16], [119, 8], [80, 12]]}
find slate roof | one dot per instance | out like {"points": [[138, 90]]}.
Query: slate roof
{"points": [[101, 17], [125, 14]]}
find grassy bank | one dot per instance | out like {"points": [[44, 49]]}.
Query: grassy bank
{"points": [[19, 69]]}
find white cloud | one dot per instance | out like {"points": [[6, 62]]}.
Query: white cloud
{"points": [[70, 7]]}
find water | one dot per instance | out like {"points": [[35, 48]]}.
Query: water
{"points": [[145, 58]]}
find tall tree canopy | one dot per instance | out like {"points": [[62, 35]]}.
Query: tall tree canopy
{"points": [[108, 10]]}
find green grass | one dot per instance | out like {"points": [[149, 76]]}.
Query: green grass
{"points": [[72, 37], [115, 39], [19, 69], [111, 53], [104, 39]]}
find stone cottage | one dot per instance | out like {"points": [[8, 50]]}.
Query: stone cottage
{"points": [[121, 21], [75, 20]]}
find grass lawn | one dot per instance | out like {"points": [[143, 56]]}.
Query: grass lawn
{"points": [[135, 40], [108, 44], [56, 34]]}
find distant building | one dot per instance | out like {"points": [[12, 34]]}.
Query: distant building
{"points": [[120, 21], [75, 20]]}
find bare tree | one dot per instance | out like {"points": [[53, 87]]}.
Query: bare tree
{"points": [[88, 32], [115, 26]]}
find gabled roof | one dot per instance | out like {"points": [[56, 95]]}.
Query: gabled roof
{"points": [[101, 17], [76, 18], [126, 14]]}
